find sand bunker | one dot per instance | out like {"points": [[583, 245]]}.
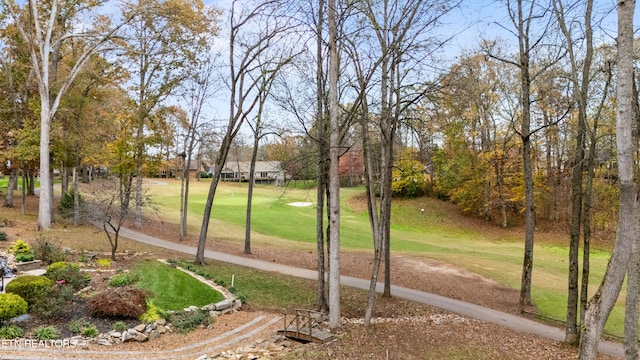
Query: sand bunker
{"points": [[300, 203]]}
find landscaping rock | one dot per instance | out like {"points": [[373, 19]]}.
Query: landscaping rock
{"points": [[140, 337], [140, 327], [154, 334], [115, 334], [161, 328], [224, 304], [161, 322], [150, 327], [209, 307], [126, 336], [103, 341]]}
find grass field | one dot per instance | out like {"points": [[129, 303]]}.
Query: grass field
{"points": [[491, 252], [173, 289]]}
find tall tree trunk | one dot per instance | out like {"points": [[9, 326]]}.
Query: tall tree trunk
{"points": [[525, 134], [631, 304], [23, 209], [183, 208], [321, 300], [44, 204], [586, 227], [603, 301], [64, 183], [335, 322], [13, 180], [580, 78], [76, 197], [374, 219], [252, 178]]}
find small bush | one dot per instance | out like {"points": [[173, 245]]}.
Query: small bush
{"points": [[103, 262], [152, 313], [120, 326], [68, 273], [25, 257], [119, 302], [46, 333], [20, 247], [91, 331], [3, 236], [57, 301], [186, 321], [76, 326], [11, 305], [30, 287], [48, 252], [11, 332], [123, 279]]}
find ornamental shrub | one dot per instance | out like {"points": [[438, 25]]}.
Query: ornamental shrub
{"points": [[11, 305], [185, 321], [48, 252], [58, 301], [76, 326], [119, 302], [3, 236], [20, 247], [123, 279], [67, 273], [30, 287], [25, 257], [103, 262], [46, 333], [11, 332], [152, 313]]}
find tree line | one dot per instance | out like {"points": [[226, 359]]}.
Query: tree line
{"points": [[535, 116]]}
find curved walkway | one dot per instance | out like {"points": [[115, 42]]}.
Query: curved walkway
{"points": [[478, 312]]}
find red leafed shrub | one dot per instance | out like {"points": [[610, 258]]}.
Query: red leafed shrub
{"points": [[119, 302]]}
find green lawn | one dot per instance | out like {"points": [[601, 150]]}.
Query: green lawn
{"points": [[495, 254], [173, 289]]}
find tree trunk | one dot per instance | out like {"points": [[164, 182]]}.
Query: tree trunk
{"points": [[64, 183], [631, 304], [374, 219], [13, 180], [323, 171], [252, 178], [335, 322], [525, 134], [603, 301], [183, 208], [76, 197], [44, 204]]}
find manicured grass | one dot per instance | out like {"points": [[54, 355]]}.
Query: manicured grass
{"points": [[496, 254], [173, 289], [261, 288]]}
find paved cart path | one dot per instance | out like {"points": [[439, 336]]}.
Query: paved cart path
{"points": [[478, 312]]}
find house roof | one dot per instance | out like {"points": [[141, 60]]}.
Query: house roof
{"points": [[245, 166]]}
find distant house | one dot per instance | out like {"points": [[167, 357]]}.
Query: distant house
{"points": [[266, 172], [172, 168]]}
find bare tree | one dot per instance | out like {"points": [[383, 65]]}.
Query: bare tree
{"points": [[251, 33], [200, 90], [604, 299], [527, 16], [580, 78], [268, 75]]}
